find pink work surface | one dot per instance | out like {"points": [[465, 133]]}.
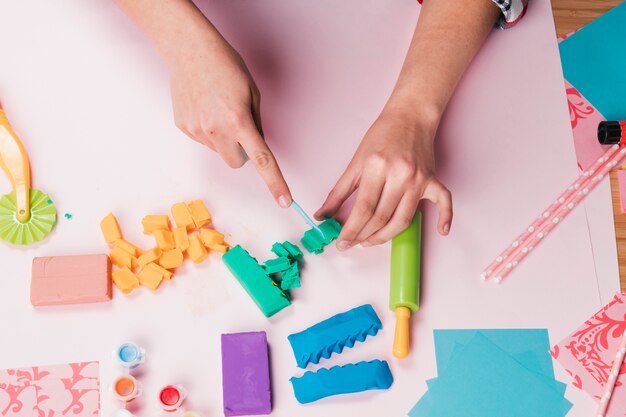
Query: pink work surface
{"points": [[90, 98]]}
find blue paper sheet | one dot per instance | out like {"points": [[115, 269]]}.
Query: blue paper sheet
{"points": [[493, 373], [594, 59]]}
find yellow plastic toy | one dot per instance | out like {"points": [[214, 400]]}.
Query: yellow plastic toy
{"points": [[26, 216]]}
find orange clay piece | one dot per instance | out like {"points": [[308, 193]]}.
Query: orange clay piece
{"points": [[199, 212], [120, 258], [164, 272], [182, 216], [150, 256], [128, 247], [181, 238], [125, 280], [171, 259], [211, 237], [164, 239], [219, 247], [150, 277], [154, 222], [197, 252], [110, 229]]}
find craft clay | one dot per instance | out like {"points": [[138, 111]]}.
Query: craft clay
{"points": [[171, 259], [154, 222], [150, 256], [268, 297], [164, 272], [199, 213], [347, 379], [211, 237], [164, 239], [333, 334], [279, 264], [125, 280], [245, 374], [314, 242], [181, 238], [110, 229], [150, 278], [287, 249], [182, 216], [58, 280], [120, 257], [197, 252], [290, 278]]}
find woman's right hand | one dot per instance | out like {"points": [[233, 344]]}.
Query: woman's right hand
{"points": [[217, 104]]}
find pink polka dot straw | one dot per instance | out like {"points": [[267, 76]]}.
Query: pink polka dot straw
{"points": [[610, 382], [553, 215]]}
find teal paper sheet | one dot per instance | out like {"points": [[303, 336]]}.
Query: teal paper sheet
{"points": [[493, 373], [594, 59]]}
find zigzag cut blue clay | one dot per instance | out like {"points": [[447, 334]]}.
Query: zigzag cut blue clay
{"points": [[332, 335], [351, 378]]}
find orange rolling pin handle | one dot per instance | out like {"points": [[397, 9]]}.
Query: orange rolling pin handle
{"points": [[401, 336], [14, 161]]}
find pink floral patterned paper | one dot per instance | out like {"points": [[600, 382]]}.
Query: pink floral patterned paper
{"points": [[588, 354], [67, 390]]}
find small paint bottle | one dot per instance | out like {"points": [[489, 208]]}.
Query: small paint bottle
{"points": [[171, 397], [126, 388], [129, 355]]}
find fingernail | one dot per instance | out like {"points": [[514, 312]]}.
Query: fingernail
{"points": [[343, 245], [366, 244], [446, 228], [283, 201]]}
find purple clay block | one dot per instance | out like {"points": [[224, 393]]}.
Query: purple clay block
{"points": [[245, 374]]}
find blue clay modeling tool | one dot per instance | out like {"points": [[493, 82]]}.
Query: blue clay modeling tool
{"points": [[351, 378], [306, 217]]}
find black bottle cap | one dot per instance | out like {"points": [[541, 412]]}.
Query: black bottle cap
{"points": [[609, 133]]}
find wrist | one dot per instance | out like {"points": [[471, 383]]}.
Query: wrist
{"points": [[415, 112]]}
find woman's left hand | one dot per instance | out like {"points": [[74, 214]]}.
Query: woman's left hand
{"points": [[391, 171]]}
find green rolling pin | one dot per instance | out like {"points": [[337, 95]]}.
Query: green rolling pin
{"points": [[406, 254]]}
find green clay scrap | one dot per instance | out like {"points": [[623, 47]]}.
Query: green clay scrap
{"points": [[288, 250], [280, 264], [290, 278], [256, 281], [314, 242]]}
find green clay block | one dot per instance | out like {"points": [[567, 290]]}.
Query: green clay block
{"points": [[315, 243], [255, 280], [279, 264], [288, 250], [290, 279]]}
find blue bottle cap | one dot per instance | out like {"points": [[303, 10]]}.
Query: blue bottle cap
{"points": [[129, 355]]}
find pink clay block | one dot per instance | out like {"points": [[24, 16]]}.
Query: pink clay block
{"points": [[60, 280]]}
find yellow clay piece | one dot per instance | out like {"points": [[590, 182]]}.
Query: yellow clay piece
{"points": [[150, 256], [134, 263], [182, 216], [120, 258], [219, 247], [150, 278], [171, 259], [127, 246], [211, 237], [199, 213], [153, 222], [125, 280], [110, 229], [197, 252], [164, 272], [164, 239], [181, 238]]}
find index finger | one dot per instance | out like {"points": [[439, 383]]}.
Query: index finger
{"points": [[265, 163]]}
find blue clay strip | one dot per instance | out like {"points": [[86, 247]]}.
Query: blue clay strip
{"points": [[346, 379], [333, 334]]}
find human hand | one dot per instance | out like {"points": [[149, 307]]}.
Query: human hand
{"points": [[392, 170], [217, 104]]}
